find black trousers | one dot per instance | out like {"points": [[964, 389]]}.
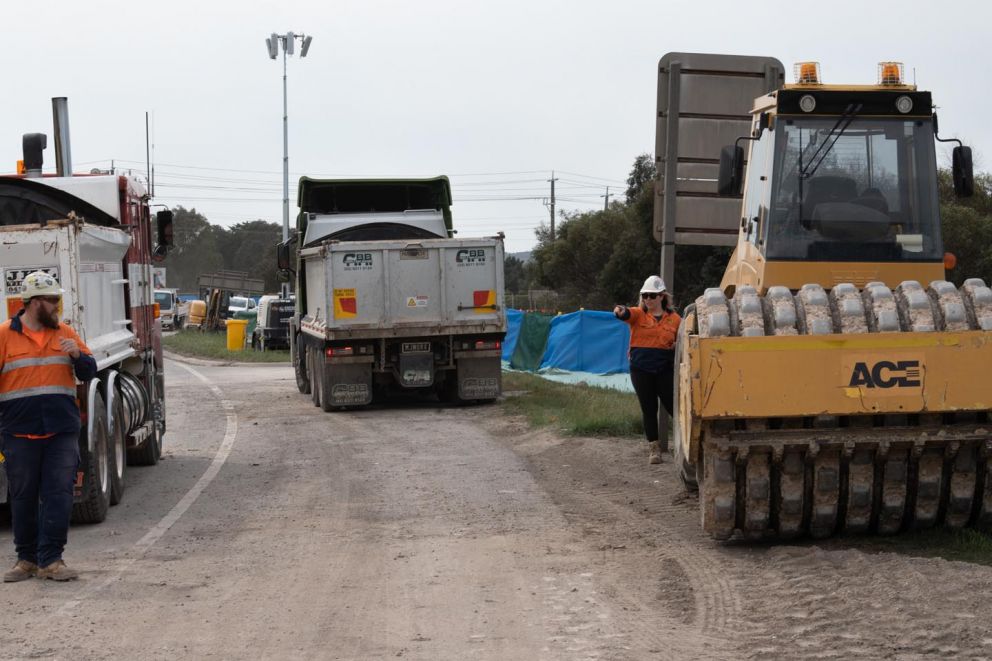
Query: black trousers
{"points": [[650, 387]]}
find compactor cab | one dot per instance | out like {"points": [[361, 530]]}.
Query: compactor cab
{"points": [[834, 382], [840, 186]]}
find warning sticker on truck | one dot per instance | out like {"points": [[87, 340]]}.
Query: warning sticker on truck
{"points": [[484, 301], [345, 304], [417, 301]]}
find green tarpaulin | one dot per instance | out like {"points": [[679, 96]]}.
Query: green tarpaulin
{"points": [[534, 329]]}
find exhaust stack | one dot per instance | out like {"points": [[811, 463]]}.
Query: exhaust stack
{"points": [[63, 153], [32, 146]]}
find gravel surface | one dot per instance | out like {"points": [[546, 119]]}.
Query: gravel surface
{"points": [[272, 530]]}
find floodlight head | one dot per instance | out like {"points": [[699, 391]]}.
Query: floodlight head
{"points": [[290, 43], [306, 46], [273, 47]]}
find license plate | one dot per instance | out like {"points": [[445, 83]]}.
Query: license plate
{"points": [[416, 347]]}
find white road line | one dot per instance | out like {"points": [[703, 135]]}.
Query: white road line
{"points": [[152, 536]]}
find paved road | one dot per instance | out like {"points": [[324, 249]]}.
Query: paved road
{"points": [[272, 530]]}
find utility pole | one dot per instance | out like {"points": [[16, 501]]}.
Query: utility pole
{"points": [[606, 204], [551, 206]]}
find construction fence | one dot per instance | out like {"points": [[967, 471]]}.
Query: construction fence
{"points": [[588, 345]]}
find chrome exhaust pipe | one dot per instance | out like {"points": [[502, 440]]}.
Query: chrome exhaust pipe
{"points": [[63, 152]]}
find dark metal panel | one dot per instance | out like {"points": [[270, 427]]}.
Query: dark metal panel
{"points": [[713, 95]]}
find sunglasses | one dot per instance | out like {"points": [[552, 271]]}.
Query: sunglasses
{"points": [[652, 296]]}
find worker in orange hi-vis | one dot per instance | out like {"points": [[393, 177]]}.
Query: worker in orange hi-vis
{"points": [[40, 360]]}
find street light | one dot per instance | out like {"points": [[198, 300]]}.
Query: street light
{"points": [[288, 43]]}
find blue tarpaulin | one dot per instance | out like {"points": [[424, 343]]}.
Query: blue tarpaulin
{"points": [[513, 319], [587, 341]]}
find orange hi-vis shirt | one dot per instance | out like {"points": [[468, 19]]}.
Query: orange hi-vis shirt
{"points": [[38, 379], [652, 340], [650, 333]]}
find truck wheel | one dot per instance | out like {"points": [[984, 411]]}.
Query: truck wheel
{"points": [[316, 377], [96, 481], [686, 471], [449, 392], [118, 453], [325, 394], [299, 367]]}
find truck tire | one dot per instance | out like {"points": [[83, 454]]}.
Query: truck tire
{"points": [[325, 392], [299, 367], [686, 470], [118, 452], [316, 376], [97, 464]]}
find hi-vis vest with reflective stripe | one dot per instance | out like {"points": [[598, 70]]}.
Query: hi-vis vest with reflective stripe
{"points": [[28, 370]]}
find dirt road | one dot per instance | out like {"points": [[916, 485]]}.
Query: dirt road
{"points": [[272, 530]]}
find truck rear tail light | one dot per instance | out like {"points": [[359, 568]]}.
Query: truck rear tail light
{"points": [[482, 345], [333, 352]]}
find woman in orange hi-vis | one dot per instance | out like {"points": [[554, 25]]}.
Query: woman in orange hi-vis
{"points": [[654, 325]]}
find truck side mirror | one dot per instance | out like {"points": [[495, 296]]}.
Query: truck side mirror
{"points": [[962, 172], [163, 225], [731, 171], [283, 256]]}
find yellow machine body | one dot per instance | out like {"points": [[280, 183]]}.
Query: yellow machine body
{"points": [[820, 390]]}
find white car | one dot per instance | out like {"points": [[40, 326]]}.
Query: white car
{"points": [[239, 304]]}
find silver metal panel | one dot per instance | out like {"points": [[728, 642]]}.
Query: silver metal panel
{"points": [[711, 93], [707, 239], [406, 288], [704, 138], [87, 260], [723, 210], [697, 178], [717, 92]]}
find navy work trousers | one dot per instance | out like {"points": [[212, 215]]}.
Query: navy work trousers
{"points": [[41, 473]]}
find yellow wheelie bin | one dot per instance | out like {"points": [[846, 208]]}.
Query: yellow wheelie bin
{"points": [[236, 334]]}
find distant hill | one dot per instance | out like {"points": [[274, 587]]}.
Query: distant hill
{"points": [[522, 256]]}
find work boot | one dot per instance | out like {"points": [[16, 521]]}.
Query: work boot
{"points": [[22, 571], [654, 452], [57, 571]]}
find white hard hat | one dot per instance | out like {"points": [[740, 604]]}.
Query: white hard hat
{"points": [[653, 285], [39, 283]]}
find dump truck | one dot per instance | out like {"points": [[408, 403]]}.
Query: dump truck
{"points": [[96, 236], [835, 382], [387, 299]]}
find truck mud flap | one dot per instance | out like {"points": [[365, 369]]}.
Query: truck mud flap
{"points": [[348, 384], [416, 370], [479, 378]]}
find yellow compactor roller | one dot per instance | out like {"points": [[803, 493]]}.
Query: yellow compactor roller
{"points": [[835, 382]]}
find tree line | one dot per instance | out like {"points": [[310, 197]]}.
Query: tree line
{"points": [[200, 247], [600, 258]]}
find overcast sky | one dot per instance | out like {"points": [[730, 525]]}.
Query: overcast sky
{"points": [[494, 94]]}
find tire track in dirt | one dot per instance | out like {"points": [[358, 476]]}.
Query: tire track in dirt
{"points": [[701, 603]]}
